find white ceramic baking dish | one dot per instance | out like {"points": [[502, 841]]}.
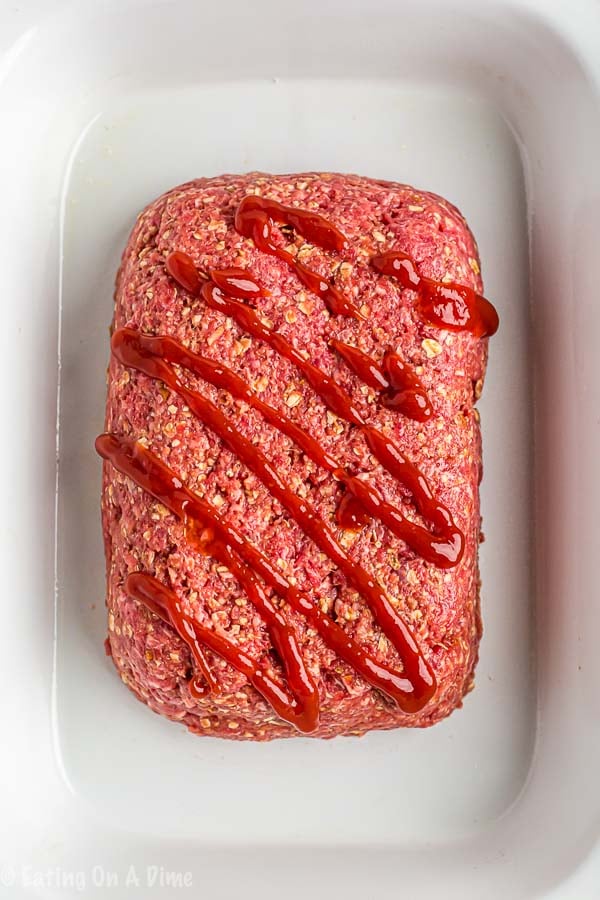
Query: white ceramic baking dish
{"points": [[496, 105]]}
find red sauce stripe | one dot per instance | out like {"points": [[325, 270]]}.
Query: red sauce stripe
{"points": [[398, 385], [452, 306], [411, 689], [254, 219], [165, 603], [300, 510], [148, 354], [444, 551]]}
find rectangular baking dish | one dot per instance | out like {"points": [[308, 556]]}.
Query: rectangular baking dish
{"points": [[496, 106]]}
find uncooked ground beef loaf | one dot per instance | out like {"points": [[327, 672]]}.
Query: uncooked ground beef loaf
{"points": [[438, 603]]}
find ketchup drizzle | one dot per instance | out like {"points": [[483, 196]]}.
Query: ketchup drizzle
{"points": [[254, 219], [445, 551], [165, 603], [154, 355], [452, 306], [299, 509], [351, 514], [398, 385], [205, 528]]}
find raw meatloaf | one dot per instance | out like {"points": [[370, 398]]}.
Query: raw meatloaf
{"points": [[440, 605]]}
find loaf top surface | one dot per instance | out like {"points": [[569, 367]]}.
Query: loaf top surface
{"points": [[439, 605]]}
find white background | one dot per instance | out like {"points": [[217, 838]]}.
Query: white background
{"points": [[88, 775]]}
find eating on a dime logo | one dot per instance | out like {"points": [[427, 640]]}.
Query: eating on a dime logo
{"points": [[98, 876]]}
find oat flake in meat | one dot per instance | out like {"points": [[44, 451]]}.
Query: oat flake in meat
{"points": [[292, 456]]}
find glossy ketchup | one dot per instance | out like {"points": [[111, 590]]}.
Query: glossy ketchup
{"points": [[411, 689], [398, 385], [154, 356], [452, 306], [300, 510], [164, 602], [255, 217], [444, 550]]}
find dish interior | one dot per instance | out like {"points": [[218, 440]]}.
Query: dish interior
{"points": [[401, 787]]}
